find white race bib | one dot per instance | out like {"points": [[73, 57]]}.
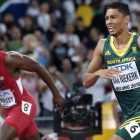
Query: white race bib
{"points": [[7, 98], [26, 107], [129, 78], [133, 129]]}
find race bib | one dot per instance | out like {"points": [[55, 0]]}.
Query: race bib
{"points": [[129, 78], [26, 107], [133, 129], [7, 98]]}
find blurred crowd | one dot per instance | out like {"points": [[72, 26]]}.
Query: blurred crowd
{"points": [[61, 35]]}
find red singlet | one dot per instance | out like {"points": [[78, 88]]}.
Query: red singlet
{"points": [[18, 104]]}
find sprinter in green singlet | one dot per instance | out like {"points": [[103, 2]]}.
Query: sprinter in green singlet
{"points": [[121, 54]]}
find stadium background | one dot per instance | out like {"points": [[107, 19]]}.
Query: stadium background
{"points": [[62, 35]]}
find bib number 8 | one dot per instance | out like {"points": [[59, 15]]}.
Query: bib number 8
{"points": [[26, 107]]}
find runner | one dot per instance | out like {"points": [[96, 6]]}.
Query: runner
{"points": [[19, 106], [121, 54]]}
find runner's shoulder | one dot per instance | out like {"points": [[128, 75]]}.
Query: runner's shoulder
{"points": [[101, 43], [12, 55]]}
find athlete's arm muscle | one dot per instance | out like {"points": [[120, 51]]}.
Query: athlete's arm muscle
{"points": [[139, 41], [91, 75], [94, 72], [18, 61]]}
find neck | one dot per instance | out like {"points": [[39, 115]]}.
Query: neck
{"points": [[122, 38]]}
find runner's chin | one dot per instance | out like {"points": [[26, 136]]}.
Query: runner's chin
{"points": [[112, 33]]}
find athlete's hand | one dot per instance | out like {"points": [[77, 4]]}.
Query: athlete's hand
{"points": [[58, 102], [109, 73]]}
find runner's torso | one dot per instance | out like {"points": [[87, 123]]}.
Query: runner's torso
{"points": [[11, 90], [127, 86]]}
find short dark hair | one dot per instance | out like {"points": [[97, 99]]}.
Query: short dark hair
{"points": [[121, 6]]}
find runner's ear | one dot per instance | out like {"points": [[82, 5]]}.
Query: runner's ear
{"points": [[127, 19]]}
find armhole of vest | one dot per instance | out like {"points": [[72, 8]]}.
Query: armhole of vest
{"points": [[2, 59], [137, 35], [4, 65], [104, 48]]}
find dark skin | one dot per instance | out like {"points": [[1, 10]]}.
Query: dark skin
{"points": [[16, 62]]}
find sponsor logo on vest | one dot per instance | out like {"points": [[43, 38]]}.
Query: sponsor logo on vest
{"points": [[134, 49], [115, 61], [124, 67], [4, 93], [129, 78], [107, 52]]}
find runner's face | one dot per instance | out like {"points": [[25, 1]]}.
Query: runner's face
{"points": [[115, 22]]}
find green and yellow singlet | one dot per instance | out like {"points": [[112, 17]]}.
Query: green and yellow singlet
{"points": [[127, 85]]}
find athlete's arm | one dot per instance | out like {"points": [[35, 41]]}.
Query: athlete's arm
{"points": [[94, 72], [15, 61]]}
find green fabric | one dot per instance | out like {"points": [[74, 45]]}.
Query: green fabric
{"points": [[129, 100], [97, 12], [123, 133], [2, 1], [14, 46]]}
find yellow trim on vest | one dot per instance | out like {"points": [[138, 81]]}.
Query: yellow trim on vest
{"points": [[123, 51], [128, 121]]}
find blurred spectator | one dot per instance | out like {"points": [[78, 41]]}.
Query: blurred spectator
{"points": [[58, 50], [89, 56], [42, 53], [69, 10], [134, 29], [33, 9], [41, 50], [32, 46], [41, 38], [55, 26], [3, 28], [57, 8], [31, 83], [3, 46], [85, 11], [67, 73], [80, 30], [44, 20], [47, 95], [93, 38], [15, 44], [29, 44], [137, 22], [28, 25], [77, 60], [70, 39], [117, 112], [8, 20], [135, 10], [98, 17], [3, 38]]}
